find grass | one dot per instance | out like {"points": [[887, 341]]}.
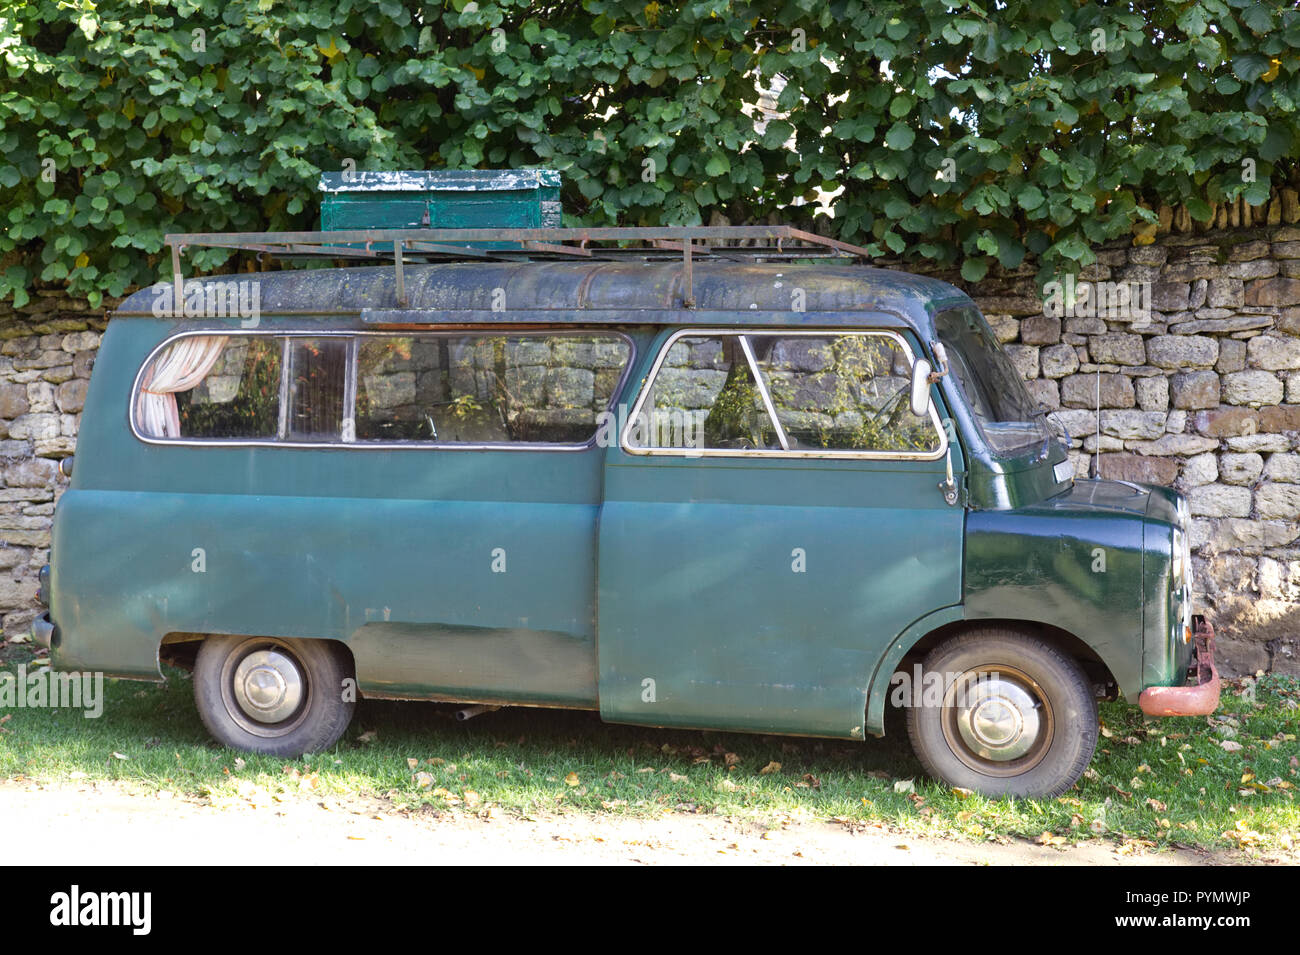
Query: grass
{"points": [[1152, 784]]}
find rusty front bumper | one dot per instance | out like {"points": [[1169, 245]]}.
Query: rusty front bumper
{"points": [[1199, 700]]}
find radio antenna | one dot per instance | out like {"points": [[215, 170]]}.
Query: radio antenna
{"points": [[1096, 464]]}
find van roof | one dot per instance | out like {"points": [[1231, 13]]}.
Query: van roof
{"points": [[624, 291]]}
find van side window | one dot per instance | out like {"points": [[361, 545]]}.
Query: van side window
{"points": [[425, 389], [705, 396], [212, 387], [486, 389], [843, 392], [830, 393], [317, 376]]}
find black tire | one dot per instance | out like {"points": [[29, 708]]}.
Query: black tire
{"points": [[244, 690], [1018, 716]]}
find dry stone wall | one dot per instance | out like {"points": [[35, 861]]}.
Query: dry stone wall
{"points": [[47, 349]]}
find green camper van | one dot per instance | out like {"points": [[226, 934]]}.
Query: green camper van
{"points": [[719, 478]]}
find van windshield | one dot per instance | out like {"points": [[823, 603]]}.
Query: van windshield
{"points": [[1012, 422]]}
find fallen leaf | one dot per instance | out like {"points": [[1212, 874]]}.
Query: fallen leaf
{"points": [[772, 767], [368, 736], [677, 777], [905, 786], [572, 780], [1229, 746], [423, 780], [412, 763]]}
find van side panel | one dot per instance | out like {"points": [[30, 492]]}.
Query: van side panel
{"points": [[449, 574]]}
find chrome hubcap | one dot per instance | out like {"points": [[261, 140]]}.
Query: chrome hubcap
{"points": [[998, 719], [269, 686], [1001, 722]]}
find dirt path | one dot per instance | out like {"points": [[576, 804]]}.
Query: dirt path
{"points": [[111, 824]]}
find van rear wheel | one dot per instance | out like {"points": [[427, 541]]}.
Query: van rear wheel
{"points": [[270, 695], [1015, 717]]}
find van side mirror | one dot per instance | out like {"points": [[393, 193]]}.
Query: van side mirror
{"points": [[921, 388]]}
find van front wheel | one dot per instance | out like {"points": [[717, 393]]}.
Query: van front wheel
{"points": [[274, 696], [1009, 715]]}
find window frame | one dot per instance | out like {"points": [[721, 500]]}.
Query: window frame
{"points": [[350, 388], [744, 333]]}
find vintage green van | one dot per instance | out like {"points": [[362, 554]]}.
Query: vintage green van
{"points": [[687, 477]]}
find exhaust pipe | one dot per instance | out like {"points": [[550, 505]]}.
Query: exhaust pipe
{"points": [[469, 712]]}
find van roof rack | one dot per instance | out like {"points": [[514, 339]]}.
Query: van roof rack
{"points": [[766, 242]]}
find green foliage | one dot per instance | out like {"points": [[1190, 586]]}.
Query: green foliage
{"points": [[119, 122]]}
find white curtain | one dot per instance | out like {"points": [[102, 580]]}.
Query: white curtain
{"points": [[179, 368]]}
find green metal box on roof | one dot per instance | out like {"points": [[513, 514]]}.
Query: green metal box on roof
{"points": [[441, 199]]}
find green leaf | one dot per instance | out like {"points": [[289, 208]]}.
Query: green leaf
{"points": [[900, 137], [1248, 67], [1258, 17], [1030, 197], [974, 269]]}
